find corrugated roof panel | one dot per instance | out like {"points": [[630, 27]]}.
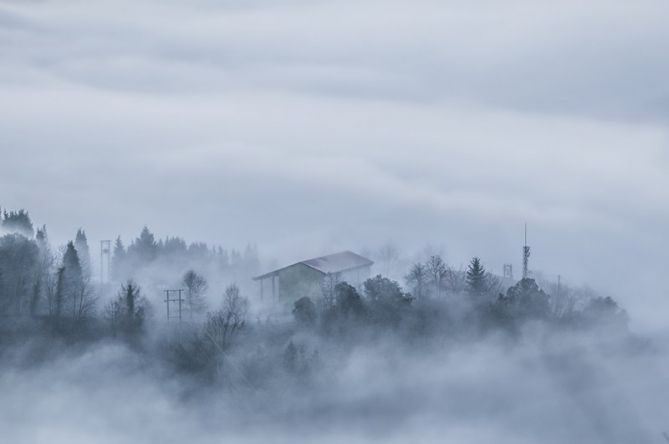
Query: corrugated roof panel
{"points": [[338, 262], [332, 263]]}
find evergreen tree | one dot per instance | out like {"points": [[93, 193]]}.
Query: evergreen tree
{"points": [[604, 312], [71, 263], [174, 246], [19, 258], [223, 258], [127, 313], [56, 308], [476, 278], [235, 258], [3, 291], [251, 259], [525, 300], [73, 280], [144, 249], [18, 222], [118, 259], [43, 289], [35, 297], [41, 236], [84, 253], [198, 251]]}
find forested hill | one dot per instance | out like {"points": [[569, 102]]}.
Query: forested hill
{"points": [[49, 293]]}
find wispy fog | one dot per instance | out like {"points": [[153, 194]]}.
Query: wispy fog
{"points": [[239, 137], [546, 389]]}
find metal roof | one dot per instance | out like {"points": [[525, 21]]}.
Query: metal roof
{"points": [[332, 263]]}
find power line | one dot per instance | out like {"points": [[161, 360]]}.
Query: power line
{"points": [[174, 296]]}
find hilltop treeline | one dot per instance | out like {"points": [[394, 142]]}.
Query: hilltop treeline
{"points": [[48, 294]]}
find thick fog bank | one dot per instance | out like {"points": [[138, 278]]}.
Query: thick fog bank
{"points": [[545, 387]]}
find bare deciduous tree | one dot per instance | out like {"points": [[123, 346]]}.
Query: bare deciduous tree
{"points": [[223, 325], [418, 280], [437, 270]]}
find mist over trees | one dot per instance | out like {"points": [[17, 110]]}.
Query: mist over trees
{"points": [[56, 286], [195, 286], [225, 337]]}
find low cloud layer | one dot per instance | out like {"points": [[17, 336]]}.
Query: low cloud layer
{"points": [[553, 389], [347, 124]]}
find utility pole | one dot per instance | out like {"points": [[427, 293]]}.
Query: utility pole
{"points": [[174, 296], [105, 261], [508, 271]]}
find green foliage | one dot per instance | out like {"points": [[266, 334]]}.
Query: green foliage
{"points": [[204, 352], [476, 278], [118, 260], [523, 301], [18, 222], [144, 249], [127, 313], [19, 260], [304, 311], [75, 294], [222, 346], [386, 299], [604, 311], [84, 253], [348, 302], [382, 289], [196, 286]]}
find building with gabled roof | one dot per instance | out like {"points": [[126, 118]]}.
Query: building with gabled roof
{"points": [[306, 278]]}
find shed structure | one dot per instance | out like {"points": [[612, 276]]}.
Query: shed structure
{"points": [[306, 278]]}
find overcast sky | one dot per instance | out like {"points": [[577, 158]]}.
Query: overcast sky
{"points": [[310, 126]]}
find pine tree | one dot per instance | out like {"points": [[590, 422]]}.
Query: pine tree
{"points": [[118, 259], [476, 278], [74, 287], [525, 300], [59, 296], [145, 247], [127, 313], [84, 253], [18, 222], [42, 237], [19, 259]]}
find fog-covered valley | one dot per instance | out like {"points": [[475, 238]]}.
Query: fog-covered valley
{"points": [[334, 221], [448, 354], [548, 389]]}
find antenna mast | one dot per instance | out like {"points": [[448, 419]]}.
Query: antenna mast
{"points": [[526, 255], [105, 261]]}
